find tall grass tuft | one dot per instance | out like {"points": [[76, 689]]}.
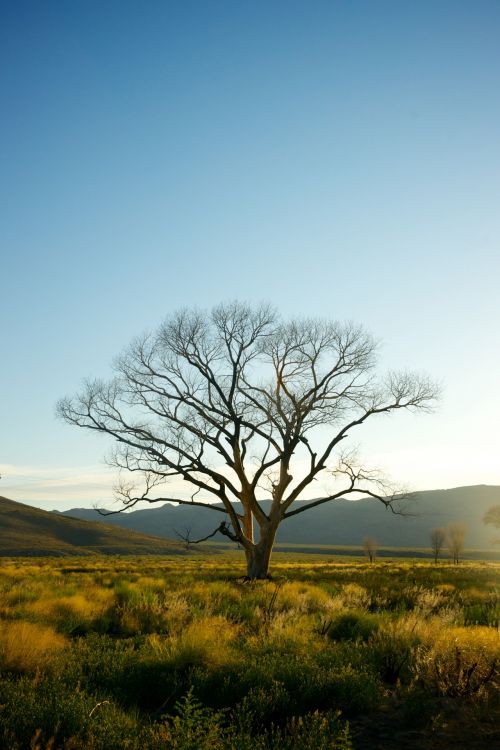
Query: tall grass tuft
{"points": [[26, 647]]}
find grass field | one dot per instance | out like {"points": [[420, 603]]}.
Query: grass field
{"points": [[326, 551], [179, 653]]}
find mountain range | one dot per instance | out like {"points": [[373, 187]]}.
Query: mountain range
{"points": [[342, 522]]}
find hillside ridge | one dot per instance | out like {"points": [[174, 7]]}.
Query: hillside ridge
{"points": [[25, 531]]}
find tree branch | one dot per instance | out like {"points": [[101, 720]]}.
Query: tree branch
{"points": [[221, 529]]}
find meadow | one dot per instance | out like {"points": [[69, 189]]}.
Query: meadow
{"points": [[146, 653]]}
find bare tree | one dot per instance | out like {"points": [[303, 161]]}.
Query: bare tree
{"points": [[438, 540], [239, 405], [370, 547], [455, 534]]}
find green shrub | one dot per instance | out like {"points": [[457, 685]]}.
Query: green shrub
{"points": [[393, 654], [351, 690], [264, 706], [195, 727], [483, 613], [353, 626], [38, 711], [313, 732]]}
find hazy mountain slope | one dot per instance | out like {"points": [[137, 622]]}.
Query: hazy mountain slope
{"points": [[30, 531], [340, 522]]}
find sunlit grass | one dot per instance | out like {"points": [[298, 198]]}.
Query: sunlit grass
{"points": [[26, 647], [135, 635], [208, 642]]}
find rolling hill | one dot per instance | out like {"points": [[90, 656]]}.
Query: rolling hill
{"points": [[26, 531], [342, 522]]}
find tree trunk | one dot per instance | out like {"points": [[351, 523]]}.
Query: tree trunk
{"points": [[259, 555], [248, 525]]}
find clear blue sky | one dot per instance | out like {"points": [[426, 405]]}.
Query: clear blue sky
{"points": [[339, 159]]}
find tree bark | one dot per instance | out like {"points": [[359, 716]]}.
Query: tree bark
{"points": [[248, 525], [258, 556]]}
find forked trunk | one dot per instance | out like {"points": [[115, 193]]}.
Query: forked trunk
{"points": [[259, 556]]}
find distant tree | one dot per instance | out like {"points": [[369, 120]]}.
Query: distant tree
{"points": [[226, 402], [438, 540], [370, 547], [185, 536], [492, 517], [455, 535]]}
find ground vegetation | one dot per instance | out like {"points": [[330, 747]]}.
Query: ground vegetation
{"points": [[145, 653]]}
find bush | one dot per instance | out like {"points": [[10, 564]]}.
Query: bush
{"points": [[25, 647], [392, 652], [193, 728], [313, 732], [483, 613], [462, 663], [40, 706], [352, 626], [197, 728]]}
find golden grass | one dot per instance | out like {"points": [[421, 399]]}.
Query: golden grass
{"points": [[306, 598], [26, 647], [354, 596], [208, 641], [461, 662], [474, 639], [70, 612]]}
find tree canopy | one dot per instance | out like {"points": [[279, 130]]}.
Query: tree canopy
{"points": [[238, 405]]}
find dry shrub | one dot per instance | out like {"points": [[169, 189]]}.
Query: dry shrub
{"points": [[462, 662], [25, 647], [152, 612], [429, 601], [432, 603], [354, 596]]}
